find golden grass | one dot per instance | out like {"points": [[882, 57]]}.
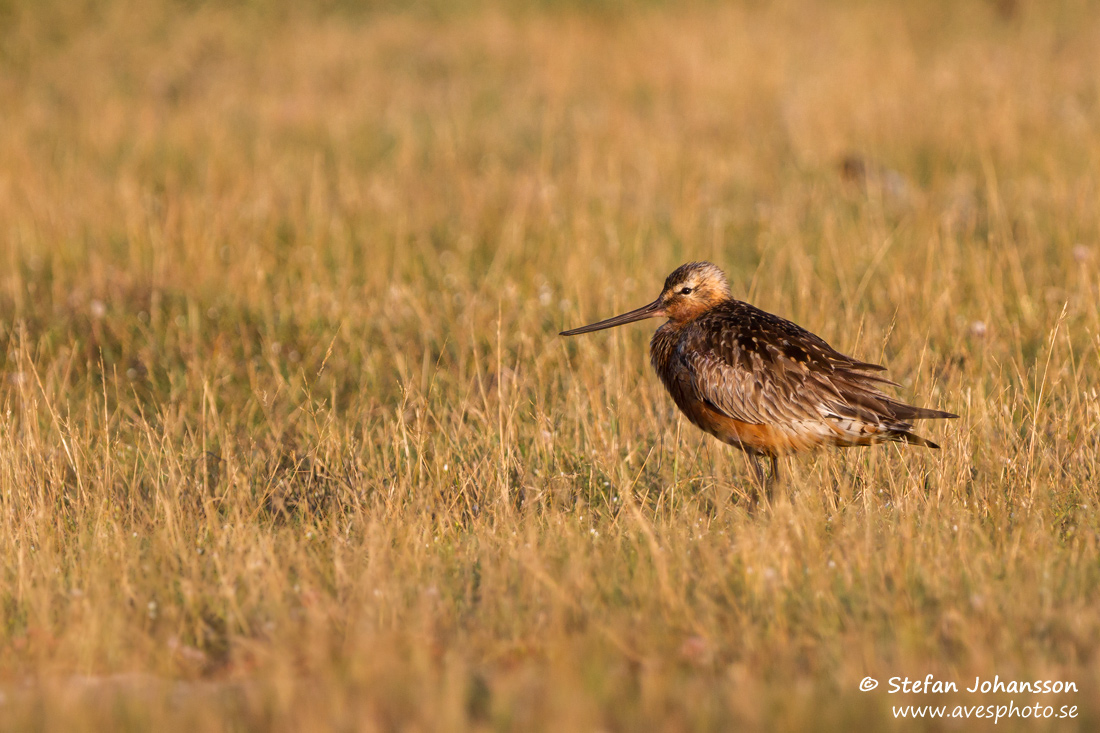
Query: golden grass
{"points": [[287, 439]]}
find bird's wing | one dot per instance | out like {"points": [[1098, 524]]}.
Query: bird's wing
{"points": [[758, 368]]}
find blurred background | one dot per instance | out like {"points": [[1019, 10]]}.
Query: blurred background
{"points": [[316, 153]]}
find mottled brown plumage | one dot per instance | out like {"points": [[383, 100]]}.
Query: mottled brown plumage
{"points": [[759, 382]]}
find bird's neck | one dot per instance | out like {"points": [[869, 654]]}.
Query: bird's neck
{"points": [[686, 313]]}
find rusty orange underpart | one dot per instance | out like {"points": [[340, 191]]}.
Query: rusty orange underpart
{"points": [[765, 440], [754, 439]]}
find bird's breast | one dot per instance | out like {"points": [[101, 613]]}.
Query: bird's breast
{"points": [[663, 348]]}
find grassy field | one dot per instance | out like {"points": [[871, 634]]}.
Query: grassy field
{"points": [[288, 440]]}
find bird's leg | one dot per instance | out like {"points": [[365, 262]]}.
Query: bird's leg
{"points": [[759, 470], [765, 479]]}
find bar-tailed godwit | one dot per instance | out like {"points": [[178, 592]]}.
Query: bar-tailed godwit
{"points": [[759, 382]]}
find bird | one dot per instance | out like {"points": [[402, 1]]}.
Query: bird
{"points": [[761, 383]]}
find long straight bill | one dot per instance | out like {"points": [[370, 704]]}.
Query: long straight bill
{"points": [[653, 310]]}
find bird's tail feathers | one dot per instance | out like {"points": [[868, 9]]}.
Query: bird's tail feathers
{"points": [[904, 436]]}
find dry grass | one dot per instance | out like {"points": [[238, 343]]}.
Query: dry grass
{"points": [[287, 439]]}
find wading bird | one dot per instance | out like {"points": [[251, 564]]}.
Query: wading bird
{"points": [[759, 382]]}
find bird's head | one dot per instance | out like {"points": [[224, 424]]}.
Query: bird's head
{"points": [[690, 290]]}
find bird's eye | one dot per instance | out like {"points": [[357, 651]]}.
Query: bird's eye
{"points": [[685, 291]]}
